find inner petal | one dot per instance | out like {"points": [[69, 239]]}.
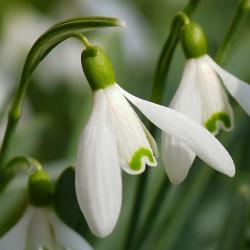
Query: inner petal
{"points": [[132, 143], [216, 110]]}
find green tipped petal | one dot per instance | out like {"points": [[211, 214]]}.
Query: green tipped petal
{"points": [[97, 68], [136, 161], [211, 123]]}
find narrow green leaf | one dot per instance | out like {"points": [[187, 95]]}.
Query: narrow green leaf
{"points": [[66, 205]]}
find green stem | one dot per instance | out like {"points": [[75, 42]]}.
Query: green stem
{"points": [[240, 14], [153, 210], [83, 39], [16, 107], [41, 48], [158, 89]]}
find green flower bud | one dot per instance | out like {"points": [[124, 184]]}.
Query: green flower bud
{"points": [[97, 68], [194, 41], [40, 188]]}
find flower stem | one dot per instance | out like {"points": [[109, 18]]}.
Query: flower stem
{"points": [[16, 107], [83, 39], [55, 35], [157, 95], [240, 14], [159, 85]]}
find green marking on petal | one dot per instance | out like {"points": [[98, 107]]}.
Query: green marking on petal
{"points": [[136, 163], [210, 124]]}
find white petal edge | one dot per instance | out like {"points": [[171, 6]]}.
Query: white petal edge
{"points": [[240, 90], [98, 174], [151, 141], [16, 237], [66, 237], [175, 124], [177, 156]]}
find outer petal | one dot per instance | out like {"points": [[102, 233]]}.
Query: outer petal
{"points": [[132, 143], [203, 143], [177, 156], [98, 175], [16, 237], [67, 238], [40, 233], [216, 110], [238, 89]]}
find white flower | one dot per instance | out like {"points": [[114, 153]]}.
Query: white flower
{"points": [[115, 136], [39, 229], [202, 97]]}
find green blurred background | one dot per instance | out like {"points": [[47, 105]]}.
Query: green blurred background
{"points": [[58, 104]]}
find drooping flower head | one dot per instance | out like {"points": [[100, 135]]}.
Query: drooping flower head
{"points": [[39, 227], [202, 97], [115, 138]]}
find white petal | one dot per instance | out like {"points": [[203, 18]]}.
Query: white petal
{"points": [[132, 143], [65, 236], [238, 89], [203, 143], [187, 98], [216, 111], [98, 174], [16, 237], [177, 156], [40, 233]]}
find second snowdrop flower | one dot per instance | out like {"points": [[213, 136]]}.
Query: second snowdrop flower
{"points": [[115, 137], [40, 228], [202, 97]]}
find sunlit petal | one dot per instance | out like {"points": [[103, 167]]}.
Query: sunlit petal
{"points": [[98, 175], [238, 89], [203, 143]]}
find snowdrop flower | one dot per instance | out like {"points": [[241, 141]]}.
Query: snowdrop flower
{"points": [[115, 137], [202, 97], [39, 227]]}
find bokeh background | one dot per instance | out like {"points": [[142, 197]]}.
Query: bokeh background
{"points": [[58, 104]]}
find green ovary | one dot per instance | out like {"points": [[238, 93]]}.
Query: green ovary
{"points": [[210, 124], [136, 160]]}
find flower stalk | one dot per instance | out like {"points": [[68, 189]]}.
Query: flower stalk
{"points": [[221, 54], [41, 48], [239, 17], [161, 73]]}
